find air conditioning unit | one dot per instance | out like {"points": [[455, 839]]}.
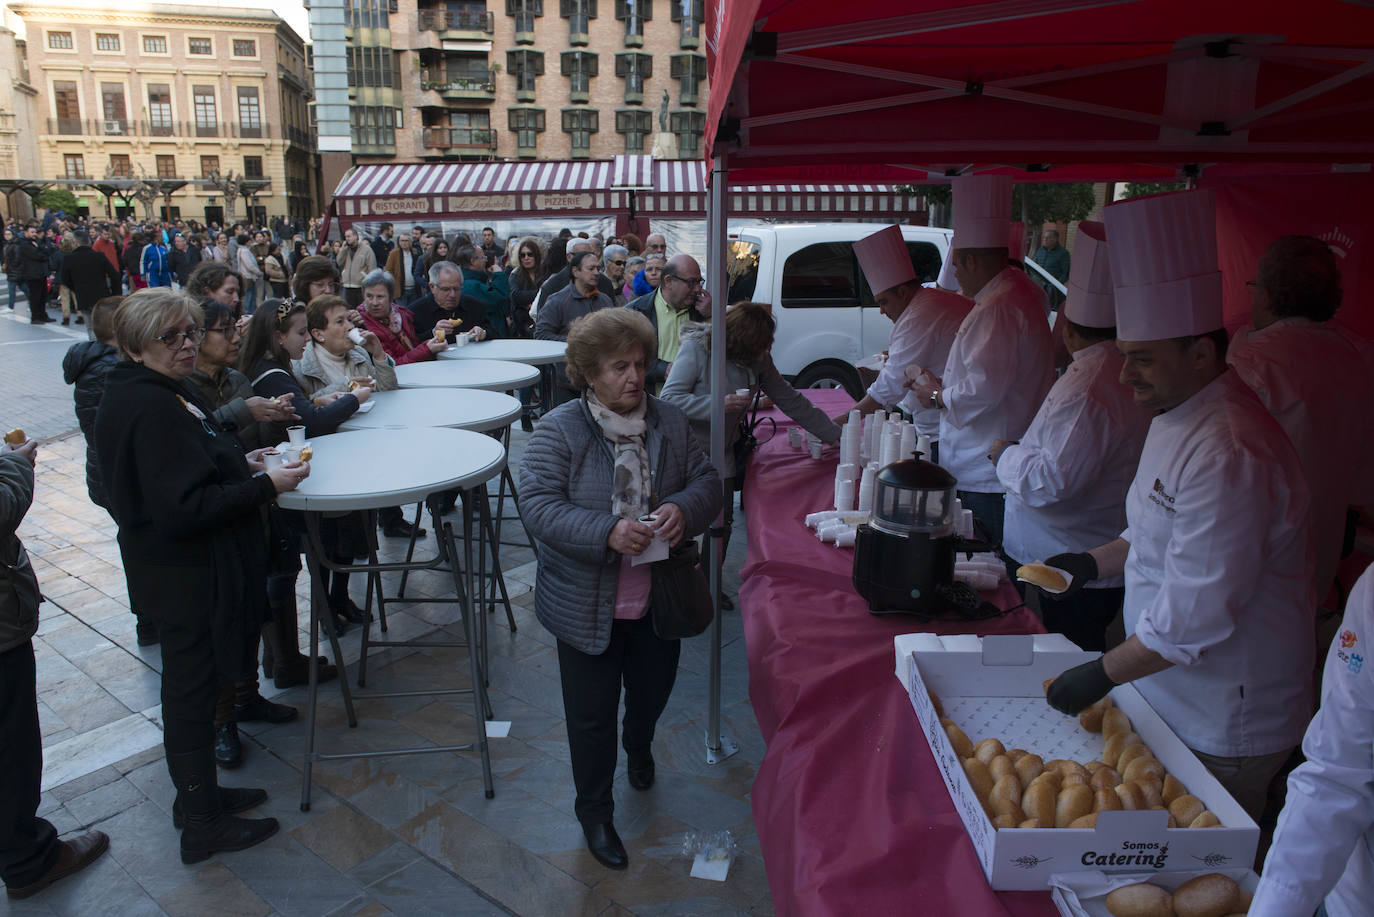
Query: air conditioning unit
{"points": [[114, 127]]}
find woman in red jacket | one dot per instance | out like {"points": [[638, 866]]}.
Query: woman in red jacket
{"points": [[393, 324]]}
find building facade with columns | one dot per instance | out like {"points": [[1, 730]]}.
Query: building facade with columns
{"points": [[174, 92]]}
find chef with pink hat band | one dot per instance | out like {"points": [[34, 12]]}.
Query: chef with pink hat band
{"points": [[925, 321], [1002, 361], [1219, 606], [1066, 481]]}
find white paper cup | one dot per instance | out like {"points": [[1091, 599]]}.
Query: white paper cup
{"points": [[355, 335], [815, 449], [743, 392], [292, 454], [296, 435], [272, 459]]}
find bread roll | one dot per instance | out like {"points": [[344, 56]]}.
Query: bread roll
{"points": [[1087, 821], [1030, 823], [1131, 797], [1150, 789], [1212, 895], [1173, 788], [1091, 719], [979, 778], [1129, 754], [307, 453], [1143, 768], [1115, 743], [1016, 754], [962, 746], [1028, 768], [1114, 721], [1074, 780], [439, 335], [1042, 576], [1013, 813], [1040, 804], [1050, 779], [1106, 800], [999, 822], [16, 437], [1094, 766], [1072, 804], [1243, 901], [1186, 808], [1140, 900], [1000, 766], [988, 749], [1104, 778], [1207, 819], [1006, 793]]}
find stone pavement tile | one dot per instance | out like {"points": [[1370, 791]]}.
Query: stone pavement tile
{"points": [[386, 863], [361, 907], [143, 842], [85, 706], [138, 689], [103, 889], [343, 838], [422, 888], [52, 726], [213, 888], [28, 907], [518, 879], [104, 802], [85, 784], [292, 879], [392, 799], [98, 747]]}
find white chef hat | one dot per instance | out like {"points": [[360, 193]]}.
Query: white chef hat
{"points": [[1016, 242], [1090, 301], [947, 280], [1164, 265], [982, 210], [884, 259]]}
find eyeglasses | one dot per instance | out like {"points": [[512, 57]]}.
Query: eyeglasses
{"points": [[689, 281], [527, 254], [620, 263], [174, 339], [230, 333]]}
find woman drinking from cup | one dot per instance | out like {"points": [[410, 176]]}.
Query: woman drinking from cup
{"points": [[393, 324]]}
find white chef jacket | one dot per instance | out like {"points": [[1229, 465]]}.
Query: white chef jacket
{"points": [[1066, 481], [1318, 387], [999, 369], [921, 337], [1219, 574], [1325, 835]]}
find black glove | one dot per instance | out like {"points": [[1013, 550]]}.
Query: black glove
{"points": [[1082, 567], [1081, 686]]}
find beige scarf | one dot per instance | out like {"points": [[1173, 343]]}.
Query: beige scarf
{"points": [[627, 434]]}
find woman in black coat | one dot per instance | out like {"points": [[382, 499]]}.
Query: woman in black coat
{"points": [[188, 503]]}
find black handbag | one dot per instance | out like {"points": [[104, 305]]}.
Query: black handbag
{"points": [[679, 596], [748, 439]]}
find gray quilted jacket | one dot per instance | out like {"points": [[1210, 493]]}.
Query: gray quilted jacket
{"points": [[565, 502]]}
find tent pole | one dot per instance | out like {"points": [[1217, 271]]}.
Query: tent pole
{"points": [[718, 747]]}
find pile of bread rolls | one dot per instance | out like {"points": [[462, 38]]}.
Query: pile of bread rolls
{"points": [[1018, 789], [1212, 895]]}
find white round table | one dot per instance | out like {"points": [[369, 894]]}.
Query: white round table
{"points": [[519, 350], [465, 409], [492, 375], [369, 469]]}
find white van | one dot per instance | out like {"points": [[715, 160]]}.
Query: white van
{"points": [[826, 317]]}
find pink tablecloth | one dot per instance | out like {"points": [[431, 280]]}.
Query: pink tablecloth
{"points": [[850, 810]]}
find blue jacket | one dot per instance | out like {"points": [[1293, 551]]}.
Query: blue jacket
{"points": [[154, 265]]}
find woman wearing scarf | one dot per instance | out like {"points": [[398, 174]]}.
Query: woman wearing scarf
{"points": [[188, 503], [593, 469], [394, 325]]}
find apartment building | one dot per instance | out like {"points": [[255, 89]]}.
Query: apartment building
{"points": [[520, 79], [174, 92]]}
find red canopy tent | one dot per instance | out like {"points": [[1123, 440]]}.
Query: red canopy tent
{"points": [[1268, 102]]}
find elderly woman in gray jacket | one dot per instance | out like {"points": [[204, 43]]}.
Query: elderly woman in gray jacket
{"points": [[593, 469]]}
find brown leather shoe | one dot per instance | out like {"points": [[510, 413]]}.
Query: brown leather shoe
{"points": [[75, 855]]}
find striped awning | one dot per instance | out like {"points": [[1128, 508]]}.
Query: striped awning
{"points": [[664, 188]]}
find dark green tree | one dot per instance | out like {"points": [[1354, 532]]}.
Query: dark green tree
{"points": [[56, 199]]}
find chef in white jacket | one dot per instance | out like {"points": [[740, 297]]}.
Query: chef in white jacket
{"points": [[1308, 374], [1066, 480], [1002, 362], [1324, 843], [1216, 554], [925, 321]]}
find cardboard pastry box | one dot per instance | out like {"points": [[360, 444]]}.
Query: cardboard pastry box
{"points": [[991, 688]]}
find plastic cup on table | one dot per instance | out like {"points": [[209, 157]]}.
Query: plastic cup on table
{"points": [[296, 435]]}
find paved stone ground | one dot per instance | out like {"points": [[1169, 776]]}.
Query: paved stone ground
{"points": [[398, 835]]}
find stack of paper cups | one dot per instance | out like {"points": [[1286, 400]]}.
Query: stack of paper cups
{"points": [[848, 471], [908, 440], [866, 484], [795, 438], [892, 448], [895, 417], [923, 445], [966, 523], [844, 494], [854, 416], [849, 442], [846, 538]]}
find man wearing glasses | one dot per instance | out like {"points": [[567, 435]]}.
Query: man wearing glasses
{"points": [[579, 298], [613, 269], [678, 300]]}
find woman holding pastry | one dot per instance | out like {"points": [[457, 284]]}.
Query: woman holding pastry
{"points": [[393, 324], [332, 359], [190, 534]]}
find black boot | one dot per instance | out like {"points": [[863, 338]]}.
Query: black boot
{"points": [[232, 799], [209, 830], [228, 748], [289, 666]]}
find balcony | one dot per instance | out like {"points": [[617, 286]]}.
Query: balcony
{"points": [[469, 85], [458, 25], [459, 141], [73, 127], [298, 136]]}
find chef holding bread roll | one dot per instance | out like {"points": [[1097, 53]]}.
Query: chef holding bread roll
{"points": [[1066, 480], [1218, 607], [1324, 843]]}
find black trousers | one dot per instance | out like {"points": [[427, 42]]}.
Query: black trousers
{"points": [[989, 509], [1082, 617], [190, 683], [647, 666], [28, 844], [38, 298]]}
